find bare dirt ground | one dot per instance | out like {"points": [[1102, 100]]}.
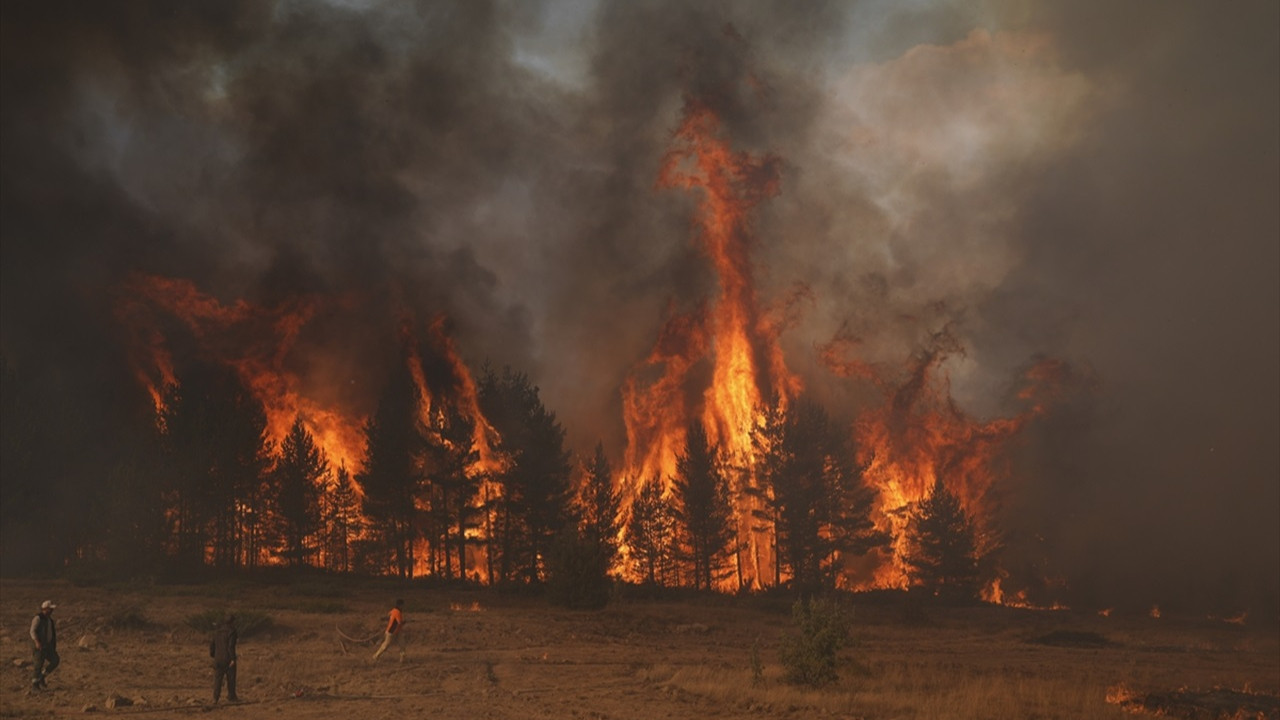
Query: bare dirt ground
{"points": [[478, 654]]}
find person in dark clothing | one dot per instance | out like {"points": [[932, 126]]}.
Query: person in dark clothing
{"points": [[44, 657], [222, 648]]}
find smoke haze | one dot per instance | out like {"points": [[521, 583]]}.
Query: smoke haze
{"points": [[1092, 182]]}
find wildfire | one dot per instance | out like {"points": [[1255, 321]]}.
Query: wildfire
{"points": [[718, 363], [462, 391], [254, 340], [918, 435], [914, 437], [257, 342], [1122, 695], [732, 333]]}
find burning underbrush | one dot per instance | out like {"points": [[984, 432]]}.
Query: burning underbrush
{"points": [[1187, 704]]}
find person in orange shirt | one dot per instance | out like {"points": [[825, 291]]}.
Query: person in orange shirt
{"points": [[395, 624]]}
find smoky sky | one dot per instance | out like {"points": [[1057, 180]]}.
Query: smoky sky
{"points": [[1091, 182]]}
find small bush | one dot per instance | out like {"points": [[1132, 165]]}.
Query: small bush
{"points": [[248, 622], [577, 576], [809, 657]]}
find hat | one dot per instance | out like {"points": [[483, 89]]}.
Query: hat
{"points": [[47, 605]]}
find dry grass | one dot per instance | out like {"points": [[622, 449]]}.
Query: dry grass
{"points": [[995, 663], [475, 654]]}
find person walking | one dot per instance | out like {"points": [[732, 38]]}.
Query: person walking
{"points": [[44, 657], [222, 648], [395, 624]]}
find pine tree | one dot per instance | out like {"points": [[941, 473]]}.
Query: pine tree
{"points": [[341, 520], [702, 508], [600, 508], [650, 532], [453, 485], [298, 473], [821, 506], [942, 546], [392, 475], [535, 502], [215, 432]]}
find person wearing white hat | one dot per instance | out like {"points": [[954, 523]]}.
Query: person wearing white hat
{"points": [[44, 657]]}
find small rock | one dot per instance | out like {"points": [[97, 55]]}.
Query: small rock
{"points": [[90, 708], [87, 642], [21, 662], [140, 701], [115, 700]]}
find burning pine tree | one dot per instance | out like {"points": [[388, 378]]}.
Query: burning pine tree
{"points": [[731, 478]]}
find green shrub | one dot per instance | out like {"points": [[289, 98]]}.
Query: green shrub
{"points": [[809, 656]]}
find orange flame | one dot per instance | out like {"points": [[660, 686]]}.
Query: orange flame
{"points": [[915, 436], [918, 434], [733, 333], [462, 393], [255, 341]]}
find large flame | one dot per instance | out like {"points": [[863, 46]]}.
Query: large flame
{"points": [[717, 363], [916, 435], [732, 333], [257, 341], [462, 392], [254, 340]]}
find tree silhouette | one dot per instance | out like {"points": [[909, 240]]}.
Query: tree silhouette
{"points": [[599, 508], [942, 546], [341, 520], [453, 485], [32, 469], [650, 532], [298, 473], [534, 505], [215, 431], [702, 508], [392, 476], [821, 507]]}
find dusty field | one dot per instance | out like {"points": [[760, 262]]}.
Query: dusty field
{"points": [[483, 655]]}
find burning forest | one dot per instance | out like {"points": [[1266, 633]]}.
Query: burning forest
{"points": [[485, 294]]}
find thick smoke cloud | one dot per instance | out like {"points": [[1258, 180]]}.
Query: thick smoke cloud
{"points": [[1092, 182]]}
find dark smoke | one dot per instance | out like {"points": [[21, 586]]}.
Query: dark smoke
{"points": [[1095, 182]]}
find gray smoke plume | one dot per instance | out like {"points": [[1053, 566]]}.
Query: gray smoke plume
{"points": [[1094, 182]]}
